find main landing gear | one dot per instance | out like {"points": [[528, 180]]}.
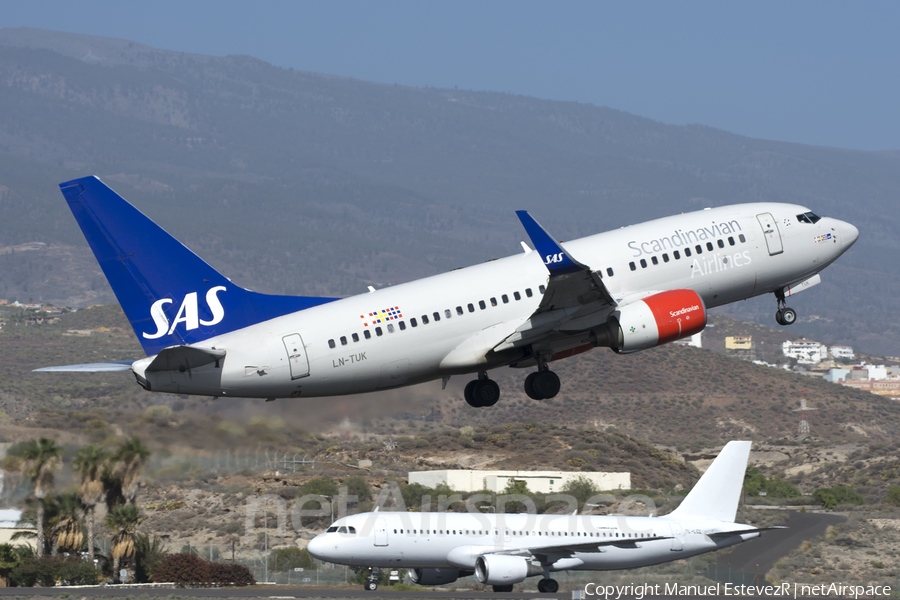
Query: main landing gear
{"points": [[548, 586], [784, 315], [543, 384], [482, 391]]}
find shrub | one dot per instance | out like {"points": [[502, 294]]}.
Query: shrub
{"points": [[47, 570], [893, 495], [288, 559], [839, 494], [183, 569], [230, 574], [358, 486]]}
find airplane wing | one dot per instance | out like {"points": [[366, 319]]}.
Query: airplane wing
{"points": [[573, 289], [105, 367], [550, 553]]}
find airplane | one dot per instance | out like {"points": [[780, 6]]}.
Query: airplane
{"points": [[505, 549], [628, 289]]}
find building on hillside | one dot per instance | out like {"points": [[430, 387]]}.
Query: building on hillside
{"points": [[695, 340], [841, 352], [545, 482], [739, 342], [806, 352], [9, 526]]}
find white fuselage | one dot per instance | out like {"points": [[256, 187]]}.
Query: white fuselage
{"points": [[325, 350], [434, 540]]}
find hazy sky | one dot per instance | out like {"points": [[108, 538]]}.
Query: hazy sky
{"points": [[825, 73]]}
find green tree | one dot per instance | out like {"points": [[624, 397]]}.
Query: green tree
{"points": [[581, 488], [38, 459], [839, 494], [129, 461], [67, 525], [323, 486], [893, 495], [9, 558], [90, 462], [149, 551], [358, 486], [123, 521]]}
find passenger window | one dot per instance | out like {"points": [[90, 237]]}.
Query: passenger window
{"points": [[505, 299], [343, 340], [482, 305], [720, 243], [424, 319], [528, 292], [654, 260], [331, 343], [709, 246], [687, 251], [677, 255], [459, 310], [517, 296], [493, 302], [437, 316], [631, 265], [402, 325], [665, 257], [447, 313], [413, 322], [355, 337], [471, 307], [742, 238], [378, 331], [609, 271], [730, 241], [367, 334], [643, 264], [390, 328], [542, 289], [699, 249]]}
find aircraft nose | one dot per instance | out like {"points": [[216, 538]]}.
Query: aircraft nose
{"points": [[316, 547], [849, 233]]}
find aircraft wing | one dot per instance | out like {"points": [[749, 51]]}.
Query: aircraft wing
{"points": [[573, 289], [558, 550], [105, 367]]}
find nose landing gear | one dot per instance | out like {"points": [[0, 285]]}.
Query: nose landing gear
{"points": [[784, 315]]}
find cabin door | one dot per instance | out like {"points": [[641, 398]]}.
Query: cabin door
{"points": [[296, 355], [770, 230], [381, 535]]}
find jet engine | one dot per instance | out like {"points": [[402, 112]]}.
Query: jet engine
{"points": [[436, 576], [652, 321], [498, 569]]}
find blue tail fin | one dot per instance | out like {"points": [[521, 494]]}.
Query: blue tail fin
{"points": [[169, 294]]}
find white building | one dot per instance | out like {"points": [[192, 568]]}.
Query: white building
{"points": [[807, 352], [546, 482], [842, 352]]}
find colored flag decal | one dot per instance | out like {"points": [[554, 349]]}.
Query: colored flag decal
{"points": [[822, 238], [381, 316]]}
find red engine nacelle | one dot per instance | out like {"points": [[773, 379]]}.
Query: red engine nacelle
{"points": [[654, 320]]}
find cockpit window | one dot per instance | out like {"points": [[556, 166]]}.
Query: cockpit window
{"points": [[809, 217], [351, 529], [342, 530], [331, 530]]}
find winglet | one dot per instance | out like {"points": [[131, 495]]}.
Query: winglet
{"points": [[555, 258]]}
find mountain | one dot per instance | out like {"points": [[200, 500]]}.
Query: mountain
{"points": [[306, 183]]}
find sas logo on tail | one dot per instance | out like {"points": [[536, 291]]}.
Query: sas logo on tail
{"points": [[554, 258], [187, 314]]}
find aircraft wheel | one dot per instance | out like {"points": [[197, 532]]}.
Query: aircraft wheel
{"points": [[529, 387], [469, 394], [503, 588], [788, 316], [486, 392], [546, 384], [551, 586], [542, 586], [370, 586], [779, 318]]}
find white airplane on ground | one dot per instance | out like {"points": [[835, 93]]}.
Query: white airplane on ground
{"points": [[629, 289], [505, 549]]}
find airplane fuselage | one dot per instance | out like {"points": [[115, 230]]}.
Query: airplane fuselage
{"points": [[452, 323]]}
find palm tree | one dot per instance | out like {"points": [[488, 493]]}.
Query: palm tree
{"points": [[129, 461], [123, 520], [90, 462], [39, 459], [9, 558], [148, 552], [67, 529]]}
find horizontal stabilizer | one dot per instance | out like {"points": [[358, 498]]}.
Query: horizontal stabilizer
{"points": [[184, 358], [105, 367]]}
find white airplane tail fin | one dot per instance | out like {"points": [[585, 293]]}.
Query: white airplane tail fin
{"points": [[717, 493]]}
